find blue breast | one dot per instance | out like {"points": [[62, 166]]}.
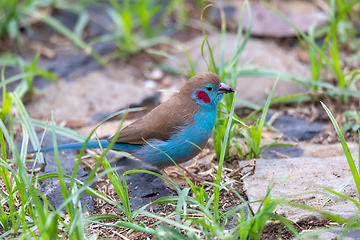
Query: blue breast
{"points": [[182, 146]]}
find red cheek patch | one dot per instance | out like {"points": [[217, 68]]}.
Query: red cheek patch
{"points": [[201, 95]]}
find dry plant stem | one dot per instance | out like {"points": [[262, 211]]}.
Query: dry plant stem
{"points": [[273, 118], [239, 169], [279, 154]]}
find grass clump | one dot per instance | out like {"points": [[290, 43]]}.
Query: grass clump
{"points": [[28, 71], [25, 212], [327, 55], [16, 15], [353, 122], [138, 25], [229, 72]]}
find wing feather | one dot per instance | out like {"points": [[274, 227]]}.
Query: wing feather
{"points": [[161, 122]]}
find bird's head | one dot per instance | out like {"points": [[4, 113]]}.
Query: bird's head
{"points": [[206, 89]]}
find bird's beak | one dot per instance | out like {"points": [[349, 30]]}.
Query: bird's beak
{"points": [[224, 89]]}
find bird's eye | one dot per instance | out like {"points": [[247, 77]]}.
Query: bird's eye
{"points": [[209, 89]]}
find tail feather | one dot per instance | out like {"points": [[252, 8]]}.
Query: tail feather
{"points": [[77, 145], [126, 147]]}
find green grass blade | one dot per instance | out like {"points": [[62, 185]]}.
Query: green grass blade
{"points": [[81, 23], [266, 107], [239, 50], [211, 63], [25, 119], [267, 73], [221, 160], [63, 187], [67, 132], [136, 227], [346, 150], [168, 221]]}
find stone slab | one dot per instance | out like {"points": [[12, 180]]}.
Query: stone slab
{"points": [[301, 175], [97, 92]]}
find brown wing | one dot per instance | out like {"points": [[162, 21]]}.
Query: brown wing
{"points": [[161, 122]]}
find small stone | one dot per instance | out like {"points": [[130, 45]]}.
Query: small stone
{"points": [[150, 84], [157, 74]]}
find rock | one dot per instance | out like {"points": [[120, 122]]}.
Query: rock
{"points": [[143, 187], [97, 92], [351, 234], [51, 187], [297, 129], [266, 22], [302, 175], [308, 150], [70, 66], [326, 151], [282, 152], [257, 53]]}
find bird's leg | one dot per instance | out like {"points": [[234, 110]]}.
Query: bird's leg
{"points": [[168, 185], [194, 176], [164, 173]]}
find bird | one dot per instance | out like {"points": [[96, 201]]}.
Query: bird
{"points": [[175, 130]]}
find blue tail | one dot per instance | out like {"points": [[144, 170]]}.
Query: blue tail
{"points": [[78, 145], [93, 144]]}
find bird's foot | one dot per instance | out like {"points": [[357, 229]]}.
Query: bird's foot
{"points": [[194, 176], [191, 175], [167, 184]]}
